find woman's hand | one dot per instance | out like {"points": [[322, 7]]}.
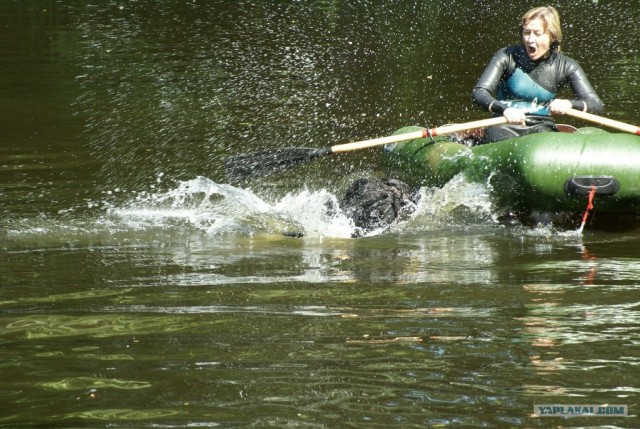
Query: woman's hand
{"points": [[514, 116], [559, 106]]}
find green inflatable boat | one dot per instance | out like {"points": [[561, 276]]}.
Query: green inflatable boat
{"points": [[550, 171]]}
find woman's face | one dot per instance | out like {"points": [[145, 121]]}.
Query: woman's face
{"points": [[536, 39]]}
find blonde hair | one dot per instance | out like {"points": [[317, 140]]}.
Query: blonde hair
{"points": [[551, 20]]}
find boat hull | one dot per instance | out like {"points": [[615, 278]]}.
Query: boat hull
{"points": [[544, 171]]}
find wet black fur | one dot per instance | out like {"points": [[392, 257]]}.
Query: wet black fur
{"points": [[374, 203]]}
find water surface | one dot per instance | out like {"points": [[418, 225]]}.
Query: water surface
{"points": [[140, 289]]}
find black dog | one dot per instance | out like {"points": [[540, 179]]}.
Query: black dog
{"points": [[378, 203], [372, 204]]}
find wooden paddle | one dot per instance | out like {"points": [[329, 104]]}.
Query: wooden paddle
{"points": [[263, 163], [621, 126]]}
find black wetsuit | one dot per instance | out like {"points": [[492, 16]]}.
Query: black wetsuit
{"points": [[512, 79]]}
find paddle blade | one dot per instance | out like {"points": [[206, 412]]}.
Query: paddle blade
{"points": [[259, 164]]}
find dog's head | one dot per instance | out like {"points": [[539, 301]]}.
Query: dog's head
{"points": [[375, 203]]}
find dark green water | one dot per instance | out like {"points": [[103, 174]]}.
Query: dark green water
{"points": [[137, 289]]}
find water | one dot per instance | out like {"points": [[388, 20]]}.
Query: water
{"points": [[139, 289]]}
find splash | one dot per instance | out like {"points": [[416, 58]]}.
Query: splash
{"points": [[209, 209], [215, 208], [458, 204], [204, 207]]}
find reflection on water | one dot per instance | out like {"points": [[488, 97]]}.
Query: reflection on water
{"points": [[433, 334], [91, 326], [80, 383]]}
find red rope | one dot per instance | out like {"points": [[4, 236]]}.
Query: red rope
{"points": [[592, 193]]}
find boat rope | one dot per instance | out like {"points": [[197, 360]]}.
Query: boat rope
{"points": [[592, 193], [429, 134], [589, 278]]}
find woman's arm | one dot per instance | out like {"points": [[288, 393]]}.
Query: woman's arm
{"points": [[586, 98], [485, 90], [487, 86]]}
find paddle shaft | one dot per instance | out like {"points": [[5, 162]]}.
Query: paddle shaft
{"points": [[264, 163], [438, 131], [621, 126]]}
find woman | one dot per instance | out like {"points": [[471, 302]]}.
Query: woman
{"points": [[521, 82]]}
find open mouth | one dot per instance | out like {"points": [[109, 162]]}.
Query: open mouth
{"points": [[531, 50]]}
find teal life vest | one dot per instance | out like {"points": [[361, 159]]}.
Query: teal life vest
{"points": [[521, 91]]}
